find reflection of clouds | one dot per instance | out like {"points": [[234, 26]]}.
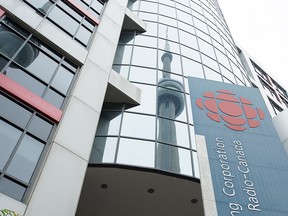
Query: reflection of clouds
{"points": [[136, 152], [140, 126], [148, 99]]}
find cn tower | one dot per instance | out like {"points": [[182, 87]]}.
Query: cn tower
{"points": [[170, 103]]}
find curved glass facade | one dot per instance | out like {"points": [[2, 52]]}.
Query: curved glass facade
{"points": [[184, 38]]}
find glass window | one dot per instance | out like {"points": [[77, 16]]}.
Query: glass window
{"points": [[122, 69], [14, 112], [210, 62], [148, 16], [203, 36], [206, 48], [151, 29], [185, 162], [8, 49], [40, 127], [222, 59], [97, 6], [144, 57], [37, 67], [188, 39], [190, 53], [83, 35], [175, 63], [214, 34], [189, 110], [12, 189], [64, 20], [172, 33], [167, 20], [149, 7], [182, 134], [174, 47], [212, 75], [62, 80], [219, 46], [146, 41], [136, 152], [3, 62], [184, 17], [196, 165], [182, 7], [186, 27], [148, 99], [192, 68], [227, 74], [25, 159], [171, 132], [143, 75], [138, 126], [25, 80], [103, 150], [201, 25], [9, 136], [54, 98], [196, 7], [109, 123], [171, 3], [123, 55], [37, 3], [167, 11]]}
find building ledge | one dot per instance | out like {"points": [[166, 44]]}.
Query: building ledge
{"points": [[120, 90], [133, 22]]}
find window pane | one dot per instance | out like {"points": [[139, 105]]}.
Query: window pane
{"points": [[168, 158], [185, 162], [83, 35], [40, 128], [136, 152], [192, 68], [25, 80], [12, 189], [144, 57], [62, 80], [26, 157], [63, 20], [43, 67], [143, 75], [54, 98], [123, 55], [14, 112], [9, 49], [148, 99], [109, 123], [140, 126], [103, 150], [9, 137]]}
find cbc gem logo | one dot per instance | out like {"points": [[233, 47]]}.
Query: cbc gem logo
{"points": [[237, 113]]}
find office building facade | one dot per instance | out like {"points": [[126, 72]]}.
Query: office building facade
{"points": [[96, 108]]}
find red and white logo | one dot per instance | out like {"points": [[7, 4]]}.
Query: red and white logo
{"points": [[224, 106]]}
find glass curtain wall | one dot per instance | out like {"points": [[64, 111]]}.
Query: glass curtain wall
{"points": [[183, 38]]}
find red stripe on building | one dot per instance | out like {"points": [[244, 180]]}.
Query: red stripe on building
{"points": [[30, 98], [2, 12], [80, 9]]}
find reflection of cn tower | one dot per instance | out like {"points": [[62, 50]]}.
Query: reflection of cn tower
{"points": [[170, 105]]}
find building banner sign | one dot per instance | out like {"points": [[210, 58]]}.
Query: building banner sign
{"points": [[249, 166]]}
